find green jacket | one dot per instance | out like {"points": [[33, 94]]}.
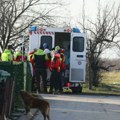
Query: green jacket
{"points": [[40, 52], [19, 53], [7, 55]]}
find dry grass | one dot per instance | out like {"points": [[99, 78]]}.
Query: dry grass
{"points": [[111, 77], [110, 84]]}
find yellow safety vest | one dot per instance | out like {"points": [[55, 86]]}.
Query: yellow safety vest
{"points": [[4, 57]]}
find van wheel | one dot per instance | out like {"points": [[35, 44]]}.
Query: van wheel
{"points": [[77, 89]]}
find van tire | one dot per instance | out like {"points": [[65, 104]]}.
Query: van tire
{"points": [[77, 90]]}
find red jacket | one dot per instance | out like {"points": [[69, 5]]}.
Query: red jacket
{"points": [[19, 58], [56, 63]]}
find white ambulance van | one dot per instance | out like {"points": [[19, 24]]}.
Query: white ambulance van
{"points": [[74, 43]]}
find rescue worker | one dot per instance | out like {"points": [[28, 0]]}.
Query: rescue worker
{"points": [[52, 57], [55, 73], [7, 55], [48, 61], [55, 53], [40, 69], [62, 67], [62, 58], [45, 48], [18, 55], [31, 61], [57, 49]]}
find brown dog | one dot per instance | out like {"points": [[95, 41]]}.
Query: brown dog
{"points": [[36, 95], [35, 102]]}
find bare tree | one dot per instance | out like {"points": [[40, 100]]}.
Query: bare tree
{"points": [[17, 15], [101, 36]]}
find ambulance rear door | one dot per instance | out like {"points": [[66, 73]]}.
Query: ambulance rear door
{"points": [[77, 57]]}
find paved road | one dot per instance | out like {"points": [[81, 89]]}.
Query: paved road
{"points": [[83, 107]]}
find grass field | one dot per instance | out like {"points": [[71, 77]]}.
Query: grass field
{"points": [[110, 84]]}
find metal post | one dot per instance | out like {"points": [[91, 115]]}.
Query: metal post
{"points": [[23, 48]]}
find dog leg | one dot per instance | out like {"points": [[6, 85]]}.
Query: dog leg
{"points": [[27, 109], [44, 115], [31, 114], [45, 118], [48, 113], [48, 117]]}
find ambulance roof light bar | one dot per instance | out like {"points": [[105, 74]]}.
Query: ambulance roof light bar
{"points": [[32, 28], [76, 30]]}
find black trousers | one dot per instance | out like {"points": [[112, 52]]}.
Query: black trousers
{"points": [[55, 80], [41, 73]]}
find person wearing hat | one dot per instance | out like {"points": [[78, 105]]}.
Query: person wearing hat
{"points": [[7, 55]]}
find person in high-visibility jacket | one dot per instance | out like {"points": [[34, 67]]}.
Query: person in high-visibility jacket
{"points": [[7, 55], [31, 60], [40, 68], [18, 56], [4, 56]]}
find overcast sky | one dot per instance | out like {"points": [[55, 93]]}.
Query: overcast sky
{"points": [[75, 8]]}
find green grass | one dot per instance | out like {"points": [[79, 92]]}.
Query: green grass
{"points": [[110, 84]]}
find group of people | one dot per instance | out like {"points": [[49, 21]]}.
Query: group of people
{"points": [[48, 65], [8, 55]]}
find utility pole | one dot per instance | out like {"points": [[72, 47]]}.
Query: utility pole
{"points": [[83, 15], [23, 37]]}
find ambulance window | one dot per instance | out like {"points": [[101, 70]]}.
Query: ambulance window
{"points": [[78, 44], [48, 40]]}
